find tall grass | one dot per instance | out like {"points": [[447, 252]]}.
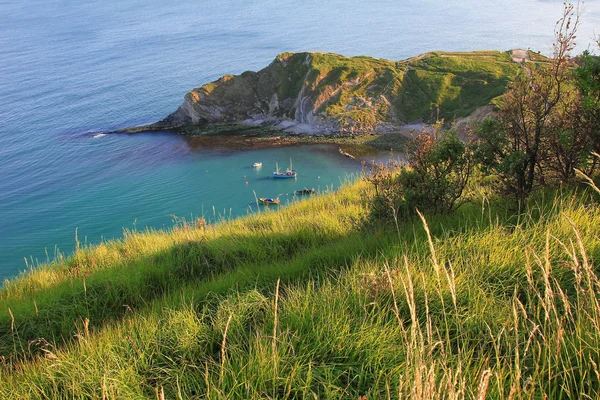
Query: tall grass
{"points": [[474, 305], [150, 265]]}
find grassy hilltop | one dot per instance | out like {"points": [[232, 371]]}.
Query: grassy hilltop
{"points": [[319, 301], [330, 93]]}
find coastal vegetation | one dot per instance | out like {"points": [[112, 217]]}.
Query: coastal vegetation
{"points": [[468, 272], [324, 92], [320, 299], [545, 131]]}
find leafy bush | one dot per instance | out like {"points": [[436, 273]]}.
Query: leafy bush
{"points": [[439, 167], [548, 120], [388, 200], [437, 170], [587, 76]]}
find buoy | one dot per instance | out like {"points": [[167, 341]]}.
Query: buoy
{"points": [[318, 177], [246, 182]]}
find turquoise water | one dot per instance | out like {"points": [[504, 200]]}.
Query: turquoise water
{"points": [[153, 180], [71, 69]]}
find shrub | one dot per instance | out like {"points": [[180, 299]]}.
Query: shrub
{"points": [[388, 201], [437, 170], [545, 128]]}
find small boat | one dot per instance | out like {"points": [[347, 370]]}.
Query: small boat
{"points": [[268, 200], [289, 173], [257, 165], [305, 191]]}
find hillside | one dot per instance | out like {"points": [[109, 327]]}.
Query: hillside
{"points": [[324, 92], [319, 301]]}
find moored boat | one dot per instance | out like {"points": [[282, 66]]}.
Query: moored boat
{"points": [[268, 200], [305, 191], [289, 173], [257, 165]]}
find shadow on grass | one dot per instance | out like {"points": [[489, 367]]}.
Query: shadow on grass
{"points": [[54, 317]]}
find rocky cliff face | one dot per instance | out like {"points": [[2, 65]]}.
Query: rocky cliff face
{"points": [[321, 92]]}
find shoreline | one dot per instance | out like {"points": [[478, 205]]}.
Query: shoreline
{"points": [[246, 137]]}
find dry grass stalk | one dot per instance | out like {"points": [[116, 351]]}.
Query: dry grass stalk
{"points": [[483, 384], [223, 345], [430, 241], [12, 321], [396, 311], [275, 320]]}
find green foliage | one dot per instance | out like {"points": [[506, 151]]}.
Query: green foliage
{"points": [[587, 76], [388, 202], [437, 172], [498, 155], [588, 79], [439, 168], [477, 304], [357, 93]]}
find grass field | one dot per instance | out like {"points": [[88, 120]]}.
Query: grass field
{"points": [[320, 300]]}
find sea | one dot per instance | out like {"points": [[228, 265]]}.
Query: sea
{"points": [[70, 70]]}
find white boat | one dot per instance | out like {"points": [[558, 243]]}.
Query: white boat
{"points": [[257, 165]]}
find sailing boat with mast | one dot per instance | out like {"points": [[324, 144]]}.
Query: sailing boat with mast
{"points": [[289, 173]]}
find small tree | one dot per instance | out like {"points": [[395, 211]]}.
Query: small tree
{"points": [[439, 168], [436, 173], [527, 114], [568, 142]]}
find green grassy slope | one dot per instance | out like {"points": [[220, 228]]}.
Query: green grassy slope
{"points": [[356, 93], [318, 301], [454, 83]]}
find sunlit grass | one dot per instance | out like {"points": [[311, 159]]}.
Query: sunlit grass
{"points": [[320, 301]]}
